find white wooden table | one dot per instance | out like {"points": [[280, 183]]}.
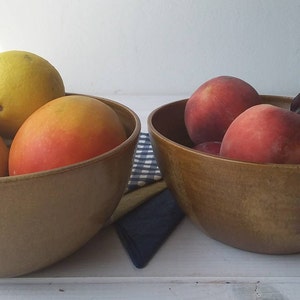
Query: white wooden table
{"points": [[189, 265]]}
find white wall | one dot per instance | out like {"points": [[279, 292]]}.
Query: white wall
{"points": [[159, 46]]}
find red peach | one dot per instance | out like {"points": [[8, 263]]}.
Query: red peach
{"points": [[263, 134], [209, 147], [215, 104]]}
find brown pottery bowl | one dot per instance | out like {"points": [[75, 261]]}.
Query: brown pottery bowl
{"points": [[46, 216], [254, 207]]}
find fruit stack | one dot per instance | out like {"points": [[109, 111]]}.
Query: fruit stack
{"points": [[225, 116], [41, 127]]}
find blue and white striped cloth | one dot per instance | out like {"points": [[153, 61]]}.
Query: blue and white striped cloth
{"points": [[144, 170]]}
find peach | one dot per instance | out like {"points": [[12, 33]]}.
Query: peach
{"points": [[263, 134], [65, 131], [214, 105], [209, 147]]}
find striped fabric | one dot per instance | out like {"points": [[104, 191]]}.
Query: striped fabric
{"points": [[145, 170]]}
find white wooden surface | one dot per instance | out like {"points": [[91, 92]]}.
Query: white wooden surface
{"points": [[189, 265]]}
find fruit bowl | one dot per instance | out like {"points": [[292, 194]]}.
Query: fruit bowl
{"points": [[250, 206], [46, 216]]}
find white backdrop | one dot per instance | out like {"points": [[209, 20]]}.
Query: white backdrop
{"points": [[153, 47]]}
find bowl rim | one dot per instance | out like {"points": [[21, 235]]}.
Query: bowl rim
{"points": [[104, 156], [152, 129]]}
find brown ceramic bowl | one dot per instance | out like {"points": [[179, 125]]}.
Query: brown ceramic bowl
{"points": [[254, 207], [47, 215]]}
